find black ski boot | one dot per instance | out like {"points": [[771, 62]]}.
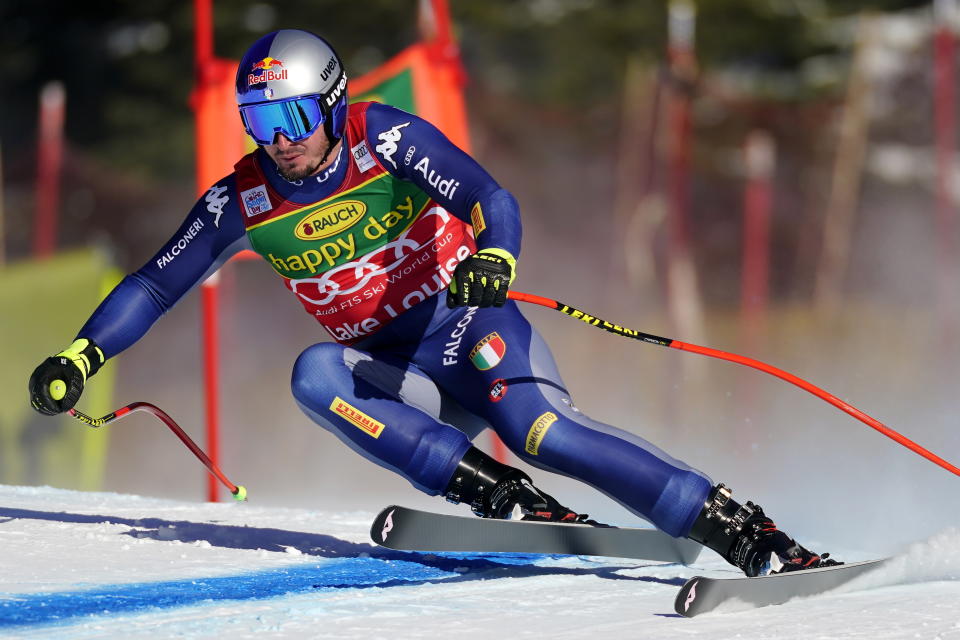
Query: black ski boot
{"points": [[494, 490], [748, 539]]}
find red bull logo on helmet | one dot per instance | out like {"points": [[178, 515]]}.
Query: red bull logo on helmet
{"points": [[269, 71], [267, 63]]}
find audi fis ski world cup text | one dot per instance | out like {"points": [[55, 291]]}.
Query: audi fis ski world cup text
{"points": [[438, 282]]}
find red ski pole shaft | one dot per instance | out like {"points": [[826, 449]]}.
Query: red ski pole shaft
{"points": [[732, 357], [239, 491]]}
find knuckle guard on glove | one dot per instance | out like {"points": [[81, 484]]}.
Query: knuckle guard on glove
{"points": [[51, 369], [481, 280], [72, 366]]}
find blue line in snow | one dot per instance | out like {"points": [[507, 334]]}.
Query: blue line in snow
{"points": [[66, 607]]}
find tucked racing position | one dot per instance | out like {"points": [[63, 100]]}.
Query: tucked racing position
{"points": [[403, 247]]}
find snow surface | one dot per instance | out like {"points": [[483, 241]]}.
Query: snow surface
{"points": [[106, 565]]}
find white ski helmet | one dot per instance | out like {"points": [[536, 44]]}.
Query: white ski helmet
{"points": [[290, 82]]}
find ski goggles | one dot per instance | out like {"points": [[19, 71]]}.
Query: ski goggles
{"points": [[295, 118]]}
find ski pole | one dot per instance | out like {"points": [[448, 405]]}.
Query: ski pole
{"points": [[239, 492], [732, 357]]}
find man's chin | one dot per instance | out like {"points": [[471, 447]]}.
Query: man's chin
{"points": [[293, 173]]}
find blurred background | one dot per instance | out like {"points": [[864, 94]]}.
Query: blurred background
{"points": [[775, 178]]}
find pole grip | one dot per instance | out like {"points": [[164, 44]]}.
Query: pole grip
{"points": [[58, 389]]}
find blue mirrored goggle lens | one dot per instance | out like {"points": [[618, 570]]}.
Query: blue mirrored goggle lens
{"points": [[296, 119]]}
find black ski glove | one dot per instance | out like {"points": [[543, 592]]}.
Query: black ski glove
{"points": [[482, 279], [57, 383]]}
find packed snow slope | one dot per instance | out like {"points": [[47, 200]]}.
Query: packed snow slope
{"points": [[104, 565]]}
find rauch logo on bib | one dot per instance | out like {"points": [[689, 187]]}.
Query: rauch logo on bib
{"points": [[330, 220]]}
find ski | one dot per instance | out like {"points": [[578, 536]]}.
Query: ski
{"points": [[700, 595], [406, 529]]}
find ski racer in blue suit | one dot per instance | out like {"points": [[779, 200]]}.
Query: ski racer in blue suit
{"points": [[403, 249]]}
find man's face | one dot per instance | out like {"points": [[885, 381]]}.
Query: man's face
{"points": [[297, 160]]}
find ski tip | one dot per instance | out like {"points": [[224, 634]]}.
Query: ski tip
{"points": [[382, 525], [685, 602]]}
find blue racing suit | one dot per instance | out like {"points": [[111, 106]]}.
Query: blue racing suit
{"points": [[367, 246]]}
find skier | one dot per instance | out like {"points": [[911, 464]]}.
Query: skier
{"points": [[403, 248]]}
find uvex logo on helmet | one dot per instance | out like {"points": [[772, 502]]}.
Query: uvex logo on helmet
{"points": [[327, 70], [337, 91], [266, 66]]}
